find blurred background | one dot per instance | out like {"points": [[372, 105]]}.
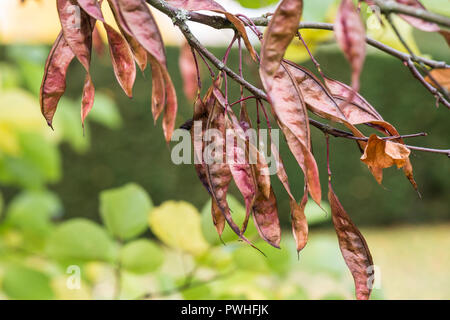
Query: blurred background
{"points": [[112, 204]]}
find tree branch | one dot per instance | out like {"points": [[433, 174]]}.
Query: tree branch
{"points": [[390, 6], [174, 14]]}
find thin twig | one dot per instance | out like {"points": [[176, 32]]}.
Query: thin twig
{"points": [[439, 96], [395, 7], [172, 12]]}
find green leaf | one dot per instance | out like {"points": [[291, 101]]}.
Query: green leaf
{"points": [[105, 111], [80, 240], [38, 163], [30, 61], [9, 76], [228, 235], [1, 204], [247, 258], [22, 283], [125, 210], [316, 215], [279, 260], [141, 256], [200, 292], [67, 124], [255, 4], [178, 225], [32, 211]]}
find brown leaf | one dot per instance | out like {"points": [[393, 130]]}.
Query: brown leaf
{"points": [[299, 222], [77, 30], [188, 71], [92, 8], [442, 76], [87, 100], [446, 35], [201, 113], [217, 217], [353, 247], [265, 211], [97, 42], [218, 173], [261, 166], [380, 154], [122, 60], [298, 218], [158, 90], [54, 80], [265, 216], [241, 170], [210, 5], [121, 55], [351, 37], [329, 102], [281, 30], [285, 97], [140, 55], [290, 111], [238, 158], [142, 26], [417, 22]]}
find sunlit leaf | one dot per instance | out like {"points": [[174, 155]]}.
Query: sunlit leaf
{"points": [[80, 240], [23, 283], [32, 211], [125, 210], [178, 225], [141, 256]]}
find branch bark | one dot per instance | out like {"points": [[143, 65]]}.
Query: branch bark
{"points": [[174, 14], [390, 6]]}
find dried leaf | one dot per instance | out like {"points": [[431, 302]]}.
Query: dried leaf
{"points": [[351, 37], [442, 76], [353, 247], [142, 26], [446, 35], [121, 55], [92, 8], [217, 217], [122, 60], [261, 167], [281, 30], [158, 90], [140, 55], [417, 22], [77, 30], [238, 158], [285, 97], [380, 154], [87, 100], [97, 42], [54, 80], [290, 111], [299, 222], [332, 102], [219, 174], [188, 71], [265, 216], [201, 113]]}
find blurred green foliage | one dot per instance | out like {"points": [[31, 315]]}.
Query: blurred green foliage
{"points": [[108, 260]]}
